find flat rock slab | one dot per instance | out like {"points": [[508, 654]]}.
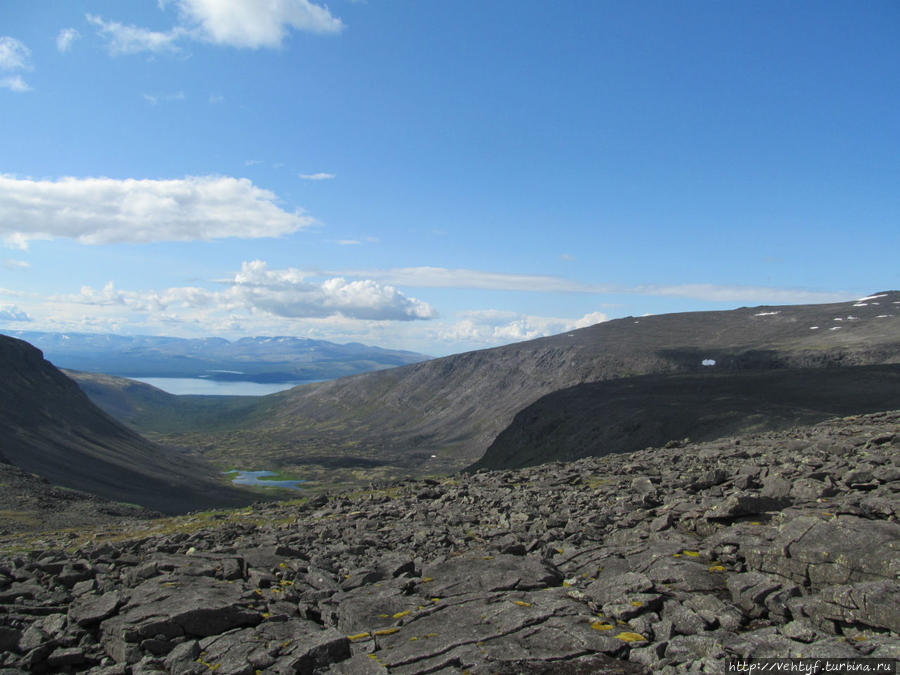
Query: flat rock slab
{"points": [[482, 571], [170, 608]]}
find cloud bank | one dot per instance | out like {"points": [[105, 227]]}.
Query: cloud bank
{"points": [[106, 210], [285, 293]]}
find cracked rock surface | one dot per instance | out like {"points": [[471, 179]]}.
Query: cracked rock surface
{"points": [[666, 560]]}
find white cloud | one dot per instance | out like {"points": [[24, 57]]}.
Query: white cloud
{"points": [[153, 99], [256, 290], [749, 294], [14, 83], [317, 176], [254, 23], [286, 293], [495, 327], [235, 23], [13, 313], [65, 38], [106, 210], [14, 55], [12, 264], [122, 39], [442, 277], [348, 242]]}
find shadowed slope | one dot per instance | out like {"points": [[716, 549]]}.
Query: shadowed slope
{"points": [[49, 427], [632, 414]]}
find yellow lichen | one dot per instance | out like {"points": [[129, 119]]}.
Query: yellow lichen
{"points": [[716, 568], [357, 636], [521, 603], [425, 580], [599, 625], [401, 614], [637, 603], [386, 631], [692, 554], [630, 637]]}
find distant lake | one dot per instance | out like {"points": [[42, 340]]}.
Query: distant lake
{"points": [[205, 387]]}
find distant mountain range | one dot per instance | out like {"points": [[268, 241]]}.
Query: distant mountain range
{"points": [[256, 359]]}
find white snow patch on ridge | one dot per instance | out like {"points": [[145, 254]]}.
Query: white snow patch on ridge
{"points": [[708, 362], [872, 297], [767, 313]]}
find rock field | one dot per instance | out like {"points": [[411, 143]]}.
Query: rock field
{"points": [[674, 559]]}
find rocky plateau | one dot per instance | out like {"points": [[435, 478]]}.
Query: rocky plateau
{"points": [[664, 560]]}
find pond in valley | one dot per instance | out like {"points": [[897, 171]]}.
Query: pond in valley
{"points": [[261, 479]]}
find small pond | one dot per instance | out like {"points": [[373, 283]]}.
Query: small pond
{"points": [[259, 479]]}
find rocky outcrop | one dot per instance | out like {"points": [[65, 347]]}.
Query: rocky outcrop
{"points": [[667, 560]]}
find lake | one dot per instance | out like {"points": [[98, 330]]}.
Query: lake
{"points": [[253, 478], [206, 387]]}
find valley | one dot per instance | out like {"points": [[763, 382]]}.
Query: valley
{"points": [[774, 367]]}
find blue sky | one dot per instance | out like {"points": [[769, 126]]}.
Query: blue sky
{"points": [[440, 176]]}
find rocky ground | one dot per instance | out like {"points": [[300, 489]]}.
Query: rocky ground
{"points": [[665, 560]]}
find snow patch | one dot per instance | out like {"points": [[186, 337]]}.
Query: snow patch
{"points": [[837, 318], [708, 362], [835, 328], [814, 328], [863, 304], [873, 297], [883, 316], [767, 313]]}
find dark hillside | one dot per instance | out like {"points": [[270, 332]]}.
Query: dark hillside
{"points": [[600, 418], [49, 427]]}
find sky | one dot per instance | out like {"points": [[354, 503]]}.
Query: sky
{"points": [[440, 176]]}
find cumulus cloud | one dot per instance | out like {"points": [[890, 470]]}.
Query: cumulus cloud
{"points": [[317, 176], [235, 23], [106, 210], [13, 313], [14, 55], [65, 38], [122, 39], [254, 23], [287, 293]]}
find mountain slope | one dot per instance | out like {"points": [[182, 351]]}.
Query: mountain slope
{"points": [[631, 414], [454, 407], [49, 427]]}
